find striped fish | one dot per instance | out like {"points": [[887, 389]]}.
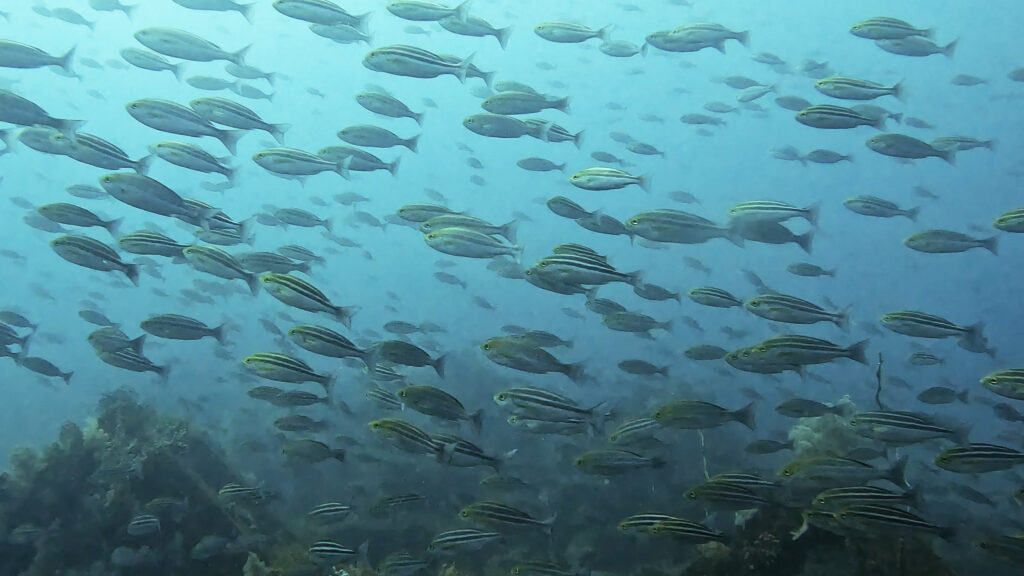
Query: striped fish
{"points": [[856, 89], [401, 564], [678, 227], [1012, 221], [800, 350], [726, 496], [923, 325], [404, 60], [129, 359], [686, 530], [95, 151], [223, 237], [328, 552], [880, 520], [66, 213], [232, 493], [885, 28], [578, 250], [770, 211], [467, 539], [384, 398], [902, 428], [976, 458], [178, 327], [462, 453], [144, 525], [541, 403], [284, 368], [219, 263], [406, 437], [642, 523], [638, 432], [541, 568], [192, 157], [836, 118], [785, 308], [582, 270], [878, 207], [296, 292], [550, 132], [1006, 383], [152, 244], [229, 113], [329, 513], [89, 253], [491, 512], [385, 505], [260, 262], [604, 178], [714, 297], [298, 164], [324, 341], [749, 481], [838, 498]]}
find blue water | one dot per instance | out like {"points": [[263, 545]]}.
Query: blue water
{"points": [[731, 164]]}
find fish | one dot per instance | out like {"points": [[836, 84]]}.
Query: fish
{"points": [[90, 253], [903, 146], [949, 242], [489, 512], [1006, 383], [300, 294], [978, 458], [856, 89], [569, 33], [615, 462], [600, 178], [700, 415], [526, 357], [284, 368], [465, 539]]}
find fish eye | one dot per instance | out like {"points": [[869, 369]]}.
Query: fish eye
{"points": [[543, 264], [488, 347], [634, 222], [745, 354], [853, 422], [820, 501], [692, 495], [755, 303], [463, 513], [503, 397], [762, 349], [787, 472]]}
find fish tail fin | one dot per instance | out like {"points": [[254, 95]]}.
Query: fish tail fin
{"points": [[113, 226], [338, 454], [915, 497], [974, 337], [743, 37], [393, 167], [949, 49], [805, 241], [912, 213], [137, 343], [842, 318], [657, 462], [991, 244], [230, 139], [165, 373], [963, 396], [129, 11], [503, 34], [811, 213], [664, 370], [476, 420], [142, 164], [132, 272], [948, 155], [218, 334], [879, 122], [67, 59], [605, 33], [463, 69], [644, 48], [462, 11], [898, 473], [418, 117], [563, 105], [246, 10], [438, 364], [858, 352], [177, 70], [747, 416], [645, 181], [344, 314], [636, 279], [66, 377], [575, 372], [577, 139], [342, 167], [412, 143], [239, 57], [253, 280], [278, 130], [509, 231], [734, 234], [961, 434], [899, 91], [363, 554]]}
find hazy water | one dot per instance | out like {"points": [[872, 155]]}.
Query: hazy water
{"points": [[877, 274]]}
